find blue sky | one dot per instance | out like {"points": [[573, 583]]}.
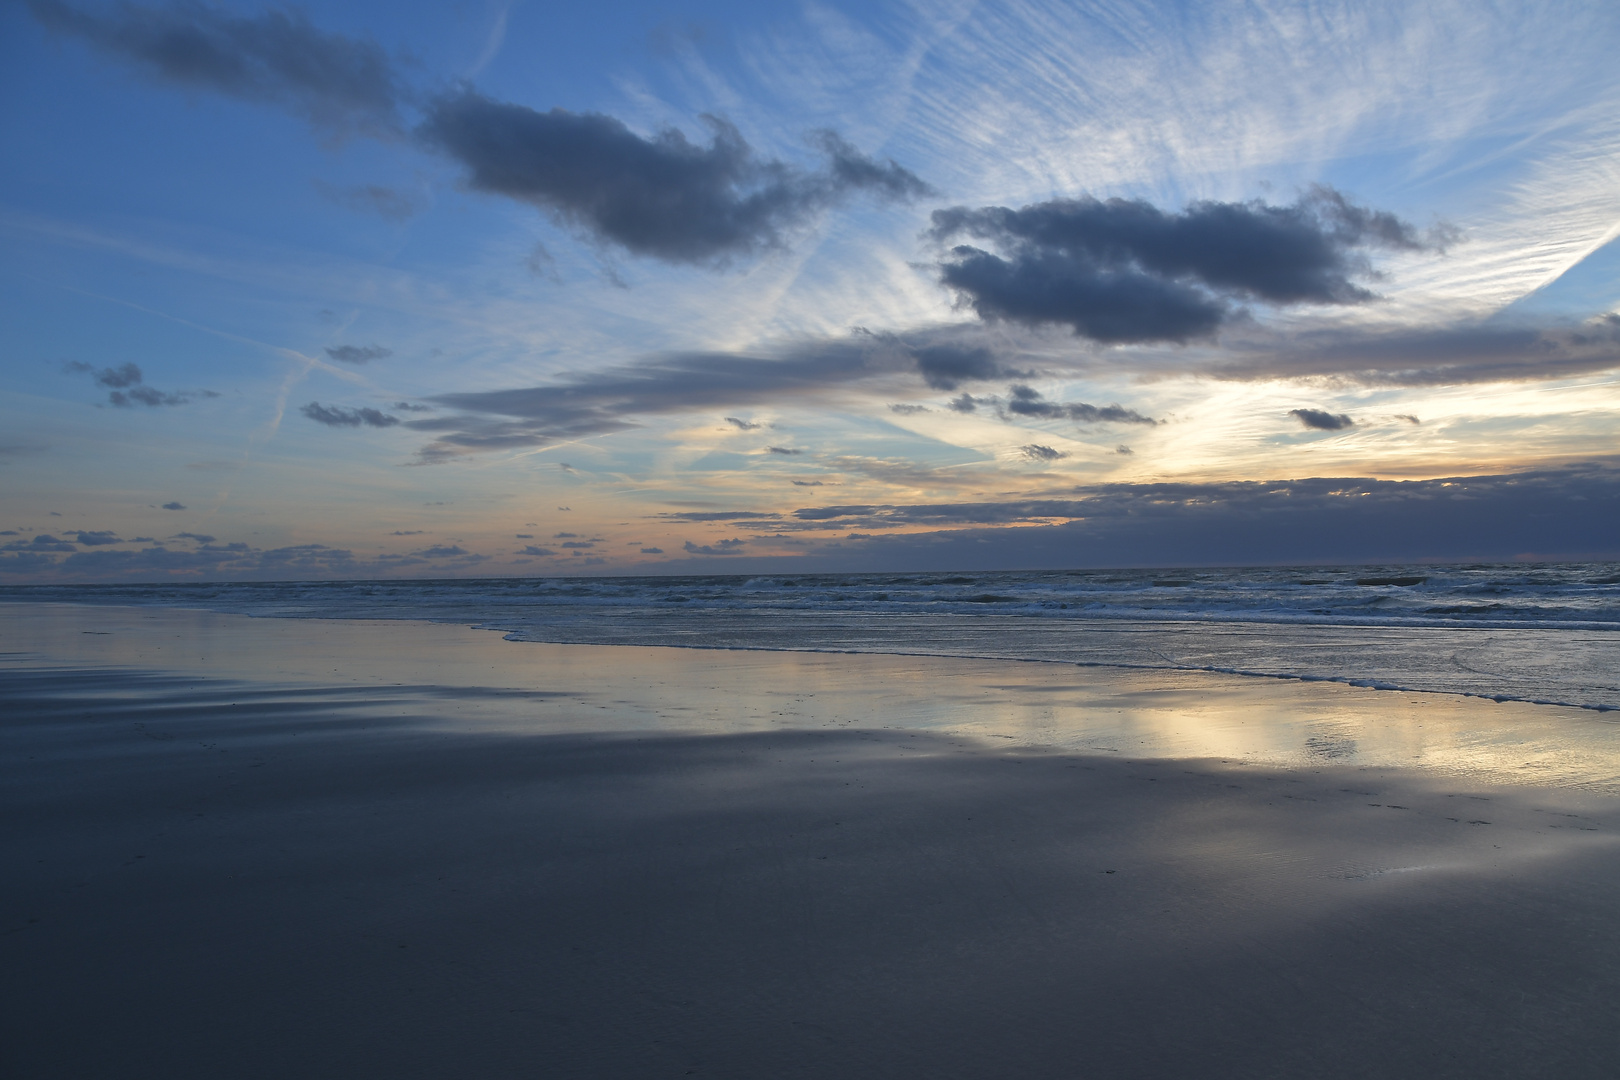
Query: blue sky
{"points": [[429, 290]]}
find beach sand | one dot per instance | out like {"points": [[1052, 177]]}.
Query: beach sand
{"points": [[270, 848]]}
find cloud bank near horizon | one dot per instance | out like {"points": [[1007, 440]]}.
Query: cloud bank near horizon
{"points": [[1570, 512]]}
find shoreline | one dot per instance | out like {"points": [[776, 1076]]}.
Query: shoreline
{"points": [[1099, 627]]}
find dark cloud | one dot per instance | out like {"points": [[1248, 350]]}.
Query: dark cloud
{"points": [[1027, 401], [784, 450], [652, 551], [909, 410], [1422, 356], [1320, 420], [579, 545], [945, 367], [124, 384], [442, 551], [1123, 449], [1408, 417], [42, 542], [201, 538], [174, 506], [533, 550], [151, 397], [407, 532], [607, 401], [357, 354], [1559, 513], [339, 84], [406, 406], [1126, 271], [338, 416], [97, 538], [733, 546], [742, 425], [663, 197], [118, 378], [871, 516], [807, 483], [1037, 452]]}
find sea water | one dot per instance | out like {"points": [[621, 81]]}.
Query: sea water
{"points": [[1540, 633]]}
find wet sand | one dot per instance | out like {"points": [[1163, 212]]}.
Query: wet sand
{"points": [[246, 848]]}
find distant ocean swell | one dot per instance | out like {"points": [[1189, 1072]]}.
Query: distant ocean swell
{"points": [[1537, 633]]}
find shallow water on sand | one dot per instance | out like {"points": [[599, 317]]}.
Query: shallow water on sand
{"points": [[474, 680]]}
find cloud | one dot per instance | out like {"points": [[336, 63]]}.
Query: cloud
{"points": [[1571, 512], [174, 506], [652, 551], [151, 397], [1027, 401], [40, 543], [118, 378], [1320, 420], [909, 410], [663, 197], [201, 538], [742, 425], [1121, 270], [339, 84], [874, 516], [385, 202], [784, 450], [715, 515], [124, 383], [338, 416], [806, 483], [357, 354], [1037, 452], [442, 551], [945, 367], [721, 547], [97, 538], [533, 550], [1123, 449], [407, 532], [602, 402], [1421, 356], [578, 544]]}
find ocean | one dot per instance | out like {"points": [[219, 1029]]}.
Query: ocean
{"points": [[1547, 634]]}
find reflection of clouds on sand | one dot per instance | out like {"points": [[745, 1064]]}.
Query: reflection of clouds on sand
{"points": [[1136, 714]]}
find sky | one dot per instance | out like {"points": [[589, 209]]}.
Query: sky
{"points": [[494, 288]]}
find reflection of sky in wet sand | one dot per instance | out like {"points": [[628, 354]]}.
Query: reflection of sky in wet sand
{"points": [[484, 682], [424, 846]]}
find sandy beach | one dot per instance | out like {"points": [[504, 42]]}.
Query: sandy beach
{"points": [[268, 848]]}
